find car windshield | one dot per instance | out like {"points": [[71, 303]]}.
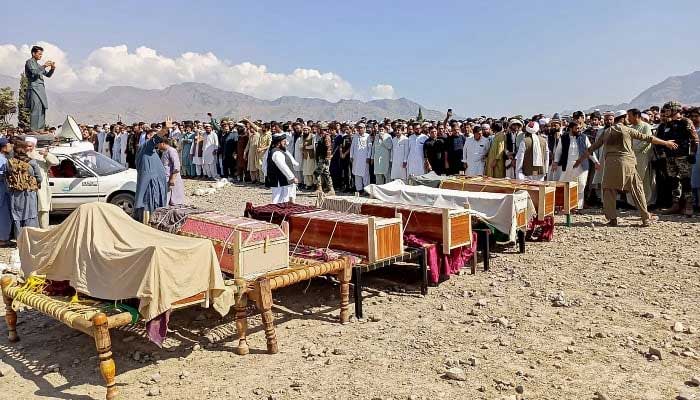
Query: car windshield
{"points": [[99, 163]]}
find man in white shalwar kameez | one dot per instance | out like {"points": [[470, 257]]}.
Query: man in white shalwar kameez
{"points": [[399, 154], [119, 146], [474, 152], [360, 156], [532, 157], [416, 159], [206, 162], [278, 176], [101, 139], [381, 156], [569, 148]]}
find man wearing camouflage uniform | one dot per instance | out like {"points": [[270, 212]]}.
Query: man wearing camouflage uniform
{"points": [[678, 163], [324, 153]]}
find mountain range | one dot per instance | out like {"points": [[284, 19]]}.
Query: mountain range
{"points": [[193, 100], [684, 88], [190, 101]]}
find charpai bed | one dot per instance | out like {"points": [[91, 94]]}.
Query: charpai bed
{"points": [[256, 254], [92, 317]]}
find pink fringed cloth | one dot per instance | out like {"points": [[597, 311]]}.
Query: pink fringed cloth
{"points": [[541, 230], [439, 264]]}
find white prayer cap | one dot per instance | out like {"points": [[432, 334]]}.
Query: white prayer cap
{"points": [[485, 126], [515, 121], [532, 127], [620, 113], [609, 113], [361, 125], [645, 116], [30, 139], [543, 121]]}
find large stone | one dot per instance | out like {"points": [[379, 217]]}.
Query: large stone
{"points": [[456, 374], [154, 391], [4, 369], [503, 321], [653, 351], [678, 327]]}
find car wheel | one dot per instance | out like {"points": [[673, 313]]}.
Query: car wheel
{"points": [[125, 201]]}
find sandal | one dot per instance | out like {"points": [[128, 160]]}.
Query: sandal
{"points": [[648, 222]]}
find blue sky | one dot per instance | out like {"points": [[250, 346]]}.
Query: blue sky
{"points": [[477, 57]]}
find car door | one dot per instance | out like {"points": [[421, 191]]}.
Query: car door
{"points": [[70, 192]]}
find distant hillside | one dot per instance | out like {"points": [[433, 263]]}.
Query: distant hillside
{"points": [[685, 88], [193, 100]]}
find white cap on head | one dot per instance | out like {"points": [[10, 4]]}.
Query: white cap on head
{"points": [[620, 113], [543, 121], [30, 139], [645, 116], [485, 126], [532, 127]]}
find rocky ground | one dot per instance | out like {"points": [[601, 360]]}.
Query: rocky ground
{"points": [[606, 313]]}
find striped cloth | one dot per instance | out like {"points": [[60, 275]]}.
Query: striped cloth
{"points": [[276, 213], [346, 204], [170, 219]]}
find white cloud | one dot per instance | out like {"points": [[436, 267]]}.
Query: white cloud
{"points": [[145, 68], [382, 91]]}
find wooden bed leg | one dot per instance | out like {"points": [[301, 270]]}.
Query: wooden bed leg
{"points": [[242, 325], [344, 277], [104, 351], [521, 240], [10, 314], [357, 281], [263, 300], [423, 262], [486, 249]]}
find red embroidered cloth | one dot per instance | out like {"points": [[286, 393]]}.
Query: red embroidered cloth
{"points": [[541, 230], [440, 264], [220, 227]]}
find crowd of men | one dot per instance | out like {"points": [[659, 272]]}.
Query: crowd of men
{"points": [[348, 156]]}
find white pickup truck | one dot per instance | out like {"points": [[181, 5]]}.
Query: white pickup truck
{"points": [[84, 175]]}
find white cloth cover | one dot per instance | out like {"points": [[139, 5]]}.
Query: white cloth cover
{"points": [[497, 209], [104, 253]]}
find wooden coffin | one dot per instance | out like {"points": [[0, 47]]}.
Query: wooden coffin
{"points": [[373, 238], [566, 193], [246, 247], [543, 197], [450, 228]]}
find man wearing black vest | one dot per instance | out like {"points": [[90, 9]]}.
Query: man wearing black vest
{"points": [[279, 176], [567, 151]]}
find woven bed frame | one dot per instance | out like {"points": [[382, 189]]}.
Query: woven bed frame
{"points": [[260, 292], [94, 322]]}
